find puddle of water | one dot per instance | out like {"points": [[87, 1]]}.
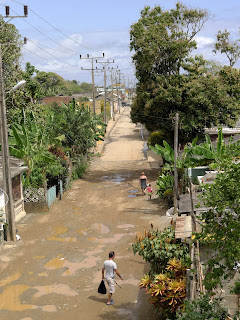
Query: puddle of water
{"points": [[10, 279], [59, 231], [58, 289], [132, 195], [133, 191], [116, 178]]}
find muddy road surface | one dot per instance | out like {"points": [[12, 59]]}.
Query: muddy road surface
{"points": [[54, 271]]}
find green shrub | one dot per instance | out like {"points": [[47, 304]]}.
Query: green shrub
{"points": [[157, 137], [205, 308], [168, 196], [164, 183], [167, 290], [158, 247], [236, 288]]}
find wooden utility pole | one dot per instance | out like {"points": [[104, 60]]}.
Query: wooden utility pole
{"points": [[93, 83], [105, 95], [112, 98], [105, 62], [118, 88], [7, 180], [175, 191], [113, 111]]}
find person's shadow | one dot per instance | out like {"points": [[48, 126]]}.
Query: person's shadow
{"points": [[102, 299]]}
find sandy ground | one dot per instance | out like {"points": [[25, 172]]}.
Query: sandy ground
{"points": [[55, 270]]}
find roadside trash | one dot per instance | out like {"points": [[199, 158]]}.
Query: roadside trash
{"points": [[17, 236], [102, 288], [236, 266]]}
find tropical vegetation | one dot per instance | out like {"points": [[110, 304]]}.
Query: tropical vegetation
{"points": [[166, 281], [170, 80]]}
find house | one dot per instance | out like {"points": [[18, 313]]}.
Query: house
{"points": [[16, 169]]}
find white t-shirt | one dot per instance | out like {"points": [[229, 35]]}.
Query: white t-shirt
{"points": [[110, 266]]}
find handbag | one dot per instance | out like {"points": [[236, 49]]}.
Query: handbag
{"points": [[102, 288]]}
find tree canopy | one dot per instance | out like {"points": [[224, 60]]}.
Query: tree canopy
{"points": [[171, 81]]}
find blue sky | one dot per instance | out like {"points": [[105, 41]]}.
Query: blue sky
{"points": [[102, 26]]}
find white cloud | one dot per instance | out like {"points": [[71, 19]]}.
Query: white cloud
{"points": [[204, 41], [64, 58]]}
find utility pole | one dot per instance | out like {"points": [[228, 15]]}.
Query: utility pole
{"points": [[175, 191], [112, 97], [7, 180], [118, 73], [93, 84], [113, 111], [106, 62]]}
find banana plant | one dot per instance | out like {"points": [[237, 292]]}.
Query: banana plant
{"points": [[30, 141], [208, 151], [185, 160]]}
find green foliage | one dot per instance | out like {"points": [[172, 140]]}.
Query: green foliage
{"points": [[30, 141], [230, 48], [201, 93], [158, 137], [51, 84], [158, 247], [79, 168], [221, 226], [167, 290], [162, 39], [164, 182], [236, 288], [186, 160], [83, 99], [81, 128], [202, 309]]}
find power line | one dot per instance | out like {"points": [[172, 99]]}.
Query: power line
{"points": [[44, 34], [40, 44], [49, 60], [53, 55], [55, 27]]}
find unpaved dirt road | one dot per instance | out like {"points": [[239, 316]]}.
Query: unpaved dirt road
{"points": [[54, 271]]}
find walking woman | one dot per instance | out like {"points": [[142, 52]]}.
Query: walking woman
{"points": [[143, 182]]}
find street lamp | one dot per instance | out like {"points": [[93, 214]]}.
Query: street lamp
{"points": [[18, 85], [7, 180]]}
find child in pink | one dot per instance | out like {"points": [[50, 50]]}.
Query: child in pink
{"points": [[149, 191]]}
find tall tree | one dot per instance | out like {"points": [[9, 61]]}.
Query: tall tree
{"points": [[203, 93], [11, 52], [225, 45], [161, 41]]}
